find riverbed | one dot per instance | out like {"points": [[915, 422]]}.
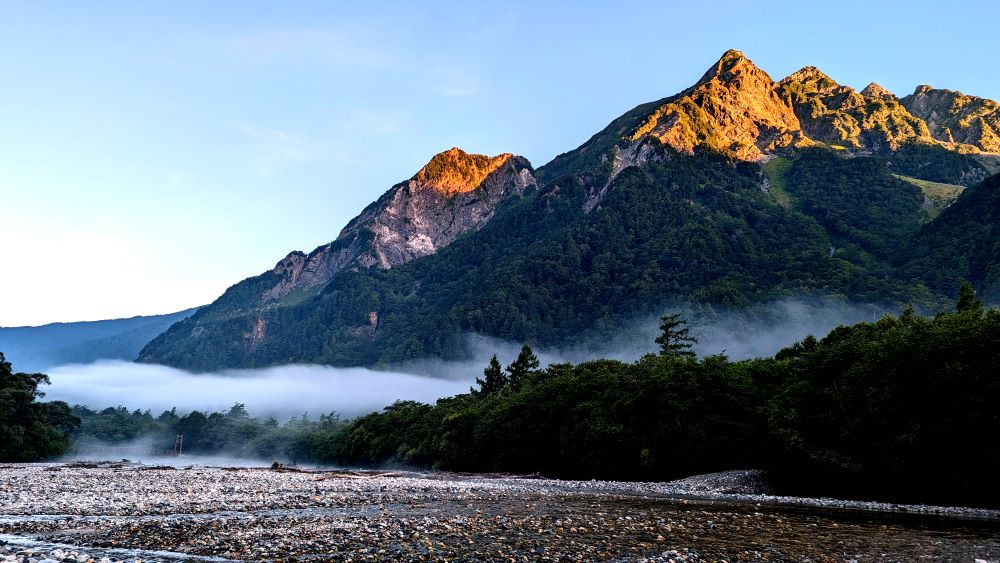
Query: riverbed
{"points": [[128, 512]]}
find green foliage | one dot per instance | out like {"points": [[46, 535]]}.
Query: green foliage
{"points": [[963, 243], [889, 408], [522, 368], [937, 196], [967, 301], [233, 432], [936, 164], [554, 267], [858, 201], [697, 228], [875, 410], [30, 430], [674, 339], [775, 170], [494, 380]]}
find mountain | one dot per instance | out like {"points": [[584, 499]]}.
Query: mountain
{"points": [[962, 243], [38, 348], [955, 118], [872, 119], [454, 193], [737, 190], [734, 109]]}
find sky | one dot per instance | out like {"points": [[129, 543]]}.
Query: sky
{"points": [[153, 154]]}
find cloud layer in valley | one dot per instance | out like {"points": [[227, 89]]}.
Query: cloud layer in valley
{"points": [[287, 391], [282, 392]]}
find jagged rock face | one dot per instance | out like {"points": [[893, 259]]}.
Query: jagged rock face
{"points": [[954, 117], [822, 106], [734, 109], [831, 113], [454, 193]]}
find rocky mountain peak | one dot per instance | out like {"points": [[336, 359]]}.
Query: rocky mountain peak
{"points": [[971, 122], [811, 78], [734, 109], [455, 171], [806, 73], [875, 90], [291, 263], [732, 66], [454, 193]]}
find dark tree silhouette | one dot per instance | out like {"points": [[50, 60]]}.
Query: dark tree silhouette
{"points": [[525, 363], [967, 300], [674, 339], [493, 380]]}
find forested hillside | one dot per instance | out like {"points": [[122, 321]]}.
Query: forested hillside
{"points": [[736, 191], [39, 348], [878, 410]]}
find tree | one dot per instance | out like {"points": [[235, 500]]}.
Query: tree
{"points": [[674, 339], [967, 300], [30, 430], [522, 367], [493, 381]]}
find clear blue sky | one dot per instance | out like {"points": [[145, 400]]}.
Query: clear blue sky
{"points": [[151, 155]]}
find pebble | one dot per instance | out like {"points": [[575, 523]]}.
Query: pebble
{"points": [[129, 512]]}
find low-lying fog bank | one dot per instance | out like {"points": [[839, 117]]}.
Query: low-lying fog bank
{"points": [[287, 391], [282, 392]]}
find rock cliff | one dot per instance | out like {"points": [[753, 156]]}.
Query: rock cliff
{"points": [[734, 109], [954, 117], [454, 193]]}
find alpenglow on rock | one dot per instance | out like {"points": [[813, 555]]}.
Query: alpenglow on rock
{"points": [[954, 117], [454, 193], [738, 110], [838, 115], [733, 191], [734, 109]]}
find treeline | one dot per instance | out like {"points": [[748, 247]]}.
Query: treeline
{"points": [[30, 429], [232, 432], [901, 409]]}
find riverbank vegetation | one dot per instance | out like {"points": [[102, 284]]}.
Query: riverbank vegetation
{"points": [[901, 409]]}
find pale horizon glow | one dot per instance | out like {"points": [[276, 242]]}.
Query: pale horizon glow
{"points": [[153, 155]]}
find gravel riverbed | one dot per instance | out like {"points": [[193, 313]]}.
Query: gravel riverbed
{"points": [[128, 512]]}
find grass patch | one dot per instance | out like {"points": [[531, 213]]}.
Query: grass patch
{"points": [[775, 170], [298, 295], [937, 196]]}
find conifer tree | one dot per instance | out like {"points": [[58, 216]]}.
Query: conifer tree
{"points": [[493, 380], [522, 367], [967, 300], [674, 339]]}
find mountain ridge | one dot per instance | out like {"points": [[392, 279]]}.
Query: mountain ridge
{"points": [[38, 348], [718, 195], [452, 194]]}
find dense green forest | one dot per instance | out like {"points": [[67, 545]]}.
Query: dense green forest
{"points": [[30, 429], [902, 409], [232, 432], [697, 229]]}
